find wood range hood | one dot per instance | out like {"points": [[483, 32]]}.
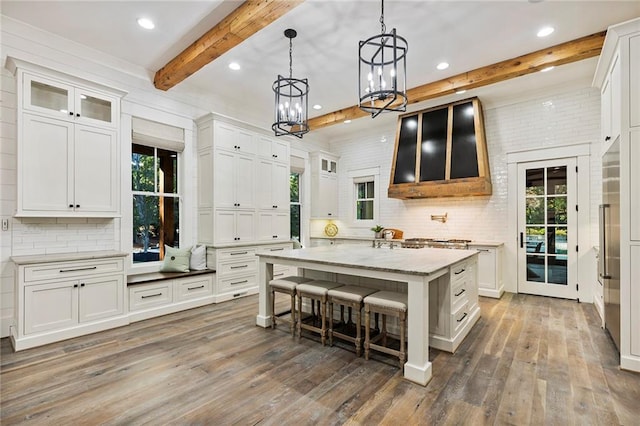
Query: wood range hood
{"points": [[441, 152]]}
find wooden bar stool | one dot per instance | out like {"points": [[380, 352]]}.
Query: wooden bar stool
{"points": [[316, 291], [349, 296], [385, 303], [288, 286]]}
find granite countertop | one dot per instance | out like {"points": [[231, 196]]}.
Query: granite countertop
{"points": [[406, 261], [66, 257]]}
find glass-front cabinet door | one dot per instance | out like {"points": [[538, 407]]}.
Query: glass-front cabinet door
{"points": [[48, 96], [57, 99]]}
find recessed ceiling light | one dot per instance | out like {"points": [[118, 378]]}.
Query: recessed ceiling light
{"points": [[442, 66], [547, 69], [316, 106], [460, 92], [347, 121], [234, 66], [545, 31], [146, 23]]}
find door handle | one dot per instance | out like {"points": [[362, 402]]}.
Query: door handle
{"points": [[522, 240]]}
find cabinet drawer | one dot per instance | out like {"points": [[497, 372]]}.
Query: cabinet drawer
{"points": [[459, 318], [149, 295], [458, 295], [237, 284], [241, 267], [459, 272], [65, 270], [193, 288], [235, 254]]}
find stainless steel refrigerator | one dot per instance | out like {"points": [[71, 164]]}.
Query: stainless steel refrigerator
{"points": [[609, 264]]}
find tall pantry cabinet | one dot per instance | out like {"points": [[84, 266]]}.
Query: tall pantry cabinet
{"points": [[617, 76], [243, 185], [68, 158]]}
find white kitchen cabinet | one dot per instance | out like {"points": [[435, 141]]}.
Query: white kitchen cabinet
{"points": [[68, 151], [234, 226], [324, 186], [619, 60], [273, 226], [490, 282], [66, 101], [161, 295], [273, 185], [242, 175], [453, 305], [611, 102], [233, 182], [67, 297], [273, 149]]}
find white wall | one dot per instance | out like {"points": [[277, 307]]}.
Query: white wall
{"points": [[560, 118]]}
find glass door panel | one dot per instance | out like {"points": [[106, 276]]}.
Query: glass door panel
{"points": [[48, 96], [547, 227], [94, 107]]}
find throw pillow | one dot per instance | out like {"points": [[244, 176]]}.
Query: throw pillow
{"points": [[198, 260], [175, 259]]}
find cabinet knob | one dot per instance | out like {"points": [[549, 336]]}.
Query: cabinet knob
{"points": [[77, 114], [77, 206], [71, 113], [70, 206], [82, 285], [607, 138], [75, 286], [275, 236], [328, 214]]}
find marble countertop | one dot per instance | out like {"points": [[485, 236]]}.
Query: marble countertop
{"points": [[406, 261], [66, 257], [484, 243]]}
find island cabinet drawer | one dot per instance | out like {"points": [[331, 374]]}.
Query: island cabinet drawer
{"points": [[63, 270], [142, 296], [460, 272], [192, 288], [459, 318], [458, 295], [240, 267], [237, 284]]}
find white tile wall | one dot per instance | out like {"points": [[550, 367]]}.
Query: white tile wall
{"points": [[564, 118]]}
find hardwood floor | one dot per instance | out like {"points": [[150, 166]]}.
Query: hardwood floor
{"points": [[529, 360]]}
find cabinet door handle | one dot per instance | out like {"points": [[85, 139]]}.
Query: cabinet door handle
{"points": [[274, 236], [75, 286], [152, 295], [77, 114], [328, 214], [277, 249], [460, 271], [239, 282], [195, 288], [462, 318], [522, 240], [70, 206], [237, 253], [240, 267], [89, 268], [461, 291], [82, 285], [77, 206], [71, 113], [483, 250], [607, 138]]}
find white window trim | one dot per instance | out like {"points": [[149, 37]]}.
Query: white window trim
{"points": [[358, 176]]}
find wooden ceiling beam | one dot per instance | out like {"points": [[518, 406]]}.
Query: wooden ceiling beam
{"points": [[249, 18], [572, 51]]}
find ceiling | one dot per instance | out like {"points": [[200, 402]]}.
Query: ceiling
{"points": [[466, 34]]}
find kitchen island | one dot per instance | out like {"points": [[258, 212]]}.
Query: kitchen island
{"points": [[447, 276]]}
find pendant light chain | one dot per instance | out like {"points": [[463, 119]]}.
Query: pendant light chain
{"points": [[290, 58], [382, 26]]}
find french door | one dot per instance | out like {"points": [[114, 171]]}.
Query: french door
{"points": [[547, 227]]}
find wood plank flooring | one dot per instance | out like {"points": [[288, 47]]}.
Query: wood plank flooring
{"points": [[529, 360]]}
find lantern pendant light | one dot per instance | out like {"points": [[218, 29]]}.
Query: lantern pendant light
{"points": [[291, 102], [382, 74]]}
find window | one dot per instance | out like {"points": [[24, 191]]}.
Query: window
{"points": [[365, 196], [294, 187], [364, 200], [156, 202]]}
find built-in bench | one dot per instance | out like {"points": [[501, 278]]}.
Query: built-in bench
{"points": [[160, 293]]}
